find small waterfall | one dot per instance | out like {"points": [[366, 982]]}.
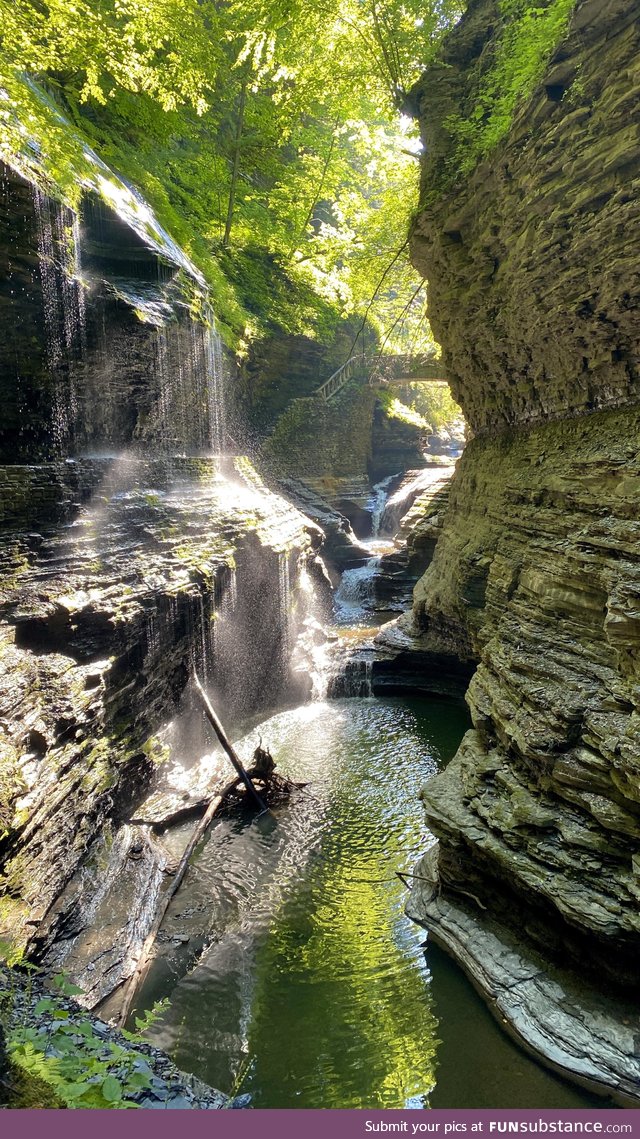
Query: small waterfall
{"points": [[187, 385], [203, 643], [356, 589], [214, 378], [114, 380], [355, 679], [284, 606], [312, 650], [58, 240], [377, 503], [219, 625]]}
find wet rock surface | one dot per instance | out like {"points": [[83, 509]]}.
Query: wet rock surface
{"points": [[101, 303], [104, 619], [535, 574], [413, 514], [406, 661], [583, 1033], [340, 547], [395, 445]]}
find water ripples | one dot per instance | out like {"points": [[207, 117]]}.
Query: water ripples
{"points": [[300, 962]]}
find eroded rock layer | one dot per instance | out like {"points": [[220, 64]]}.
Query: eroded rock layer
{"points": [[172, 566], [532, 259], [533, 277]]}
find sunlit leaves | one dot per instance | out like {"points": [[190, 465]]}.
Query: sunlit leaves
{"points": [[266, 124]]}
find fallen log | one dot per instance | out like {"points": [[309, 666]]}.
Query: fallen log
{"points": [[263, 770], [144, 960], [227, 746]]}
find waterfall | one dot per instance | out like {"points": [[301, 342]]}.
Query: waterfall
{"points": [[355, 590], [312, 649], [58, 242], [214, 374], [284, 606], [219, 631], [152, 376], [188, 388], [354, 679], [376, 504]]}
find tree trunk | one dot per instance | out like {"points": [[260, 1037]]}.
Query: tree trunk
{"points": [[236, 164]]}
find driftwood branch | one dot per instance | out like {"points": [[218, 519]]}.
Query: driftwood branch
{"points": [[144, 960], [226, 744]]}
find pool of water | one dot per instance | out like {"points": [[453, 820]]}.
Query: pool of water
{"points": [[291, 969]]}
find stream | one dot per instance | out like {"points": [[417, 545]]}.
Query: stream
{"points": [[293, 974]]}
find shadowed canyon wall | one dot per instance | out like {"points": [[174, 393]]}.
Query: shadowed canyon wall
{"points": [[533, 275], [134, 551]]}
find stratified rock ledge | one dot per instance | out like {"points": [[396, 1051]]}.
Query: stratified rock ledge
{"points": [[407, 661], [589, 1038]]}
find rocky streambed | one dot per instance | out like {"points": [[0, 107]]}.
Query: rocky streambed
{"points": [[133, 1073]]}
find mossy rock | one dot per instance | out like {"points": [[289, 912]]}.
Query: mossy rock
{"points": [[20, 1090]]}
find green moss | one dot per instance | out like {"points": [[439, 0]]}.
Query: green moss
{"points": [[315, 438], [27, 1092], [530, 30], [156, 751]]}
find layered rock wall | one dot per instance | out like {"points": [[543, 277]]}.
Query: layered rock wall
{"points": [[533, 276], [132, 554], [532, 259]]}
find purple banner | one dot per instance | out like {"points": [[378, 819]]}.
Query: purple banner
{"points": [[310, 1124]]}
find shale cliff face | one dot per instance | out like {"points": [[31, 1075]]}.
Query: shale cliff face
{"points": [[134, 551], [533, 273]]}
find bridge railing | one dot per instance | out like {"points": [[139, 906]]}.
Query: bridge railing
{"points": [[358, 362], [380, 368]]}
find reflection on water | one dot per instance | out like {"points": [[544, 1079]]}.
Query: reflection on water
{"points": [[287, 956], [478, 1066]]}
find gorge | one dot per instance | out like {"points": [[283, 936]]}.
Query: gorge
{"points": [[175, 503]]}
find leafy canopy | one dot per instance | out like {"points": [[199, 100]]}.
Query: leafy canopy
{"points": [[267, 134], [252, 125]]}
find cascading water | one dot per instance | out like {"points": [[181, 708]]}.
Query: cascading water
{"points": [[355, 596], [355, 593], [127, 364], [377, 503], [284, 605], [355, 679], [63, 304], [214, 372]]}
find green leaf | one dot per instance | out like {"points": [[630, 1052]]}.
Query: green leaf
{"points": [[139, 1080], [112, 1089], [74, 1091], [85, 1028], [44, 1005]]}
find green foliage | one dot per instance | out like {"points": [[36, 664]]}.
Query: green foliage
{"points": [[395, 409], [530, 31], [146, 1020], [63, 1049], [257, 129], [435, 404]]}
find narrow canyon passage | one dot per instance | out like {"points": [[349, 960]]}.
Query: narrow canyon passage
{"points": [[292, 972], [242, 460]]}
